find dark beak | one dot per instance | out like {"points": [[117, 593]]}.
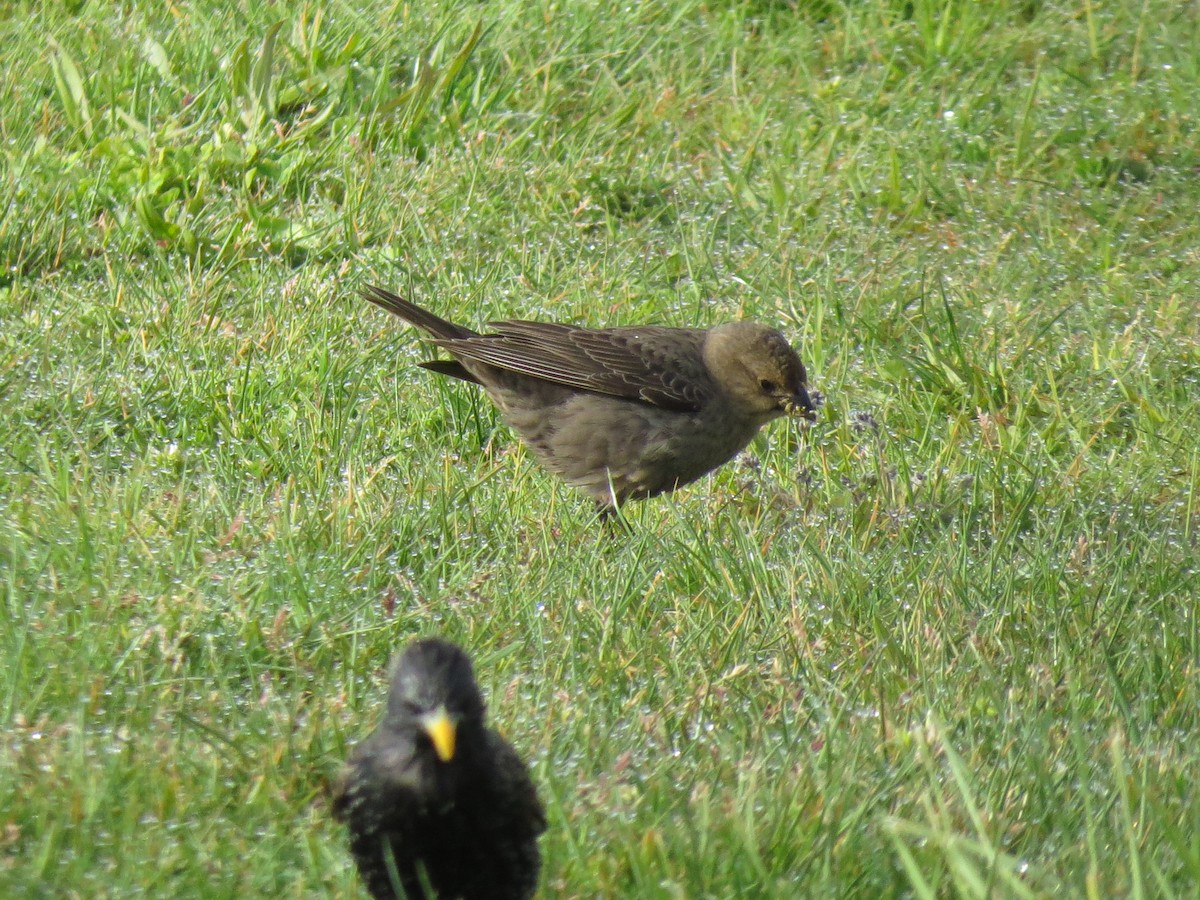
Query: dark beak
{"points": [[800, 404]]}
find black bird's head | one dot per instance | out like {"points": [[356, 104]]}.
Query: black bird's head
{"points": [[759, 370], [434, 698]]}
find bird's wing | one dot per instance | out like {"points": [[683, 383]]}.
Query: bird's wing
{"points": [[654, 364], [513, 780]]}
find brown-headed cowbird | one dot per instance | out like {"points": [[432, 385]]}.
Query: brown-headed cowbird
{"points": [[623, 413], [434, 797]]}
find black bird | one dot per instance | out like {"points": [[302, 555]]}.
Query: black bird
{"points": [[623, 413], [434, 797]]}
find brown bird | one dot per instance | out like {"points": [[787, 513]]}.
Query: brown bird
{"points": [[623, 413], [434, 797]]}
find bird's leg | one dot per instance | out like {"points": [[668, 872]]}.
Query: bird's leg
{"points": [[612, 520]]}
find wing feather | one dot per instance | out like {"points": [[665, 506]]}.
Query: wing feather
{"points": [[657, 365]]}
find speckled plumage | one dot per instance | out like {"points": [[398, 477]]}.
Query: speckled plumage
{"points": [[623, 413], [467, 825]]}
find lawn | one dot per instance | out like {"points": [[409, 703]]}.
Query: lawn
{"points": [[942, 642]]}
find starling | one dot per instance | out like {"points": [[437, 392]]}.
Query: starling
{"points": [[435, 797], [623, 413]]}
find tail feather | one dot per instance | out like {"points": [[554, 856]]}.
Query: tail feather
{"points": [[415, 315], [449, 367]]}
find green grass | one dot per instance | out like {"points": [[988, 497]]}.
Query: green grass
{"points": [[943, 643]]}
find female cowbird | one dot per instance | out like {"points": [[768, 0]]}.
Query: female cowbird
{"points": [[623, 413], [436, 798]]}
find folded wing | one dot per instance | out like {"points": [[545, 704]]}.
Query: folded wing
{"points": [[657, 365]]}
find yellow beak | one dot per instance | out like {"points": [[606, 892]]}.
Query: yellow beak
{"points": [[441, 730]]}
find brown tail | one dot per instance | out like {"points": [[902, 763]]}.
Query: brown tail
{"points": [[415, 315], [449, 367]]}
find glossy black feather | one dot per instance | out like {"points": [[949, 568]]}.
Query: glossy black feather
{"points": [[467, 827]]}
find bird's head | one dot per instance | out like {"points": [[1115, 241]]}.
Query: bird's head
{"points": [[759, 370], [434, 697]]}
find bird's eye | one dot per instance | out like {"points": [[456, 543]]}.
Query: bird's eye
{"points": [[768, 386]]}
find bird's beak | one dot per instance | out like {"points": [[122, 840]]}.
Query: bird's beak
{"points": [[441, 730], [799, 404]]}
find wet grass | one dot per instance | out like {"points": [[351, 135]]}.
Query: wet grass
{"points": [[943, 642]]}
